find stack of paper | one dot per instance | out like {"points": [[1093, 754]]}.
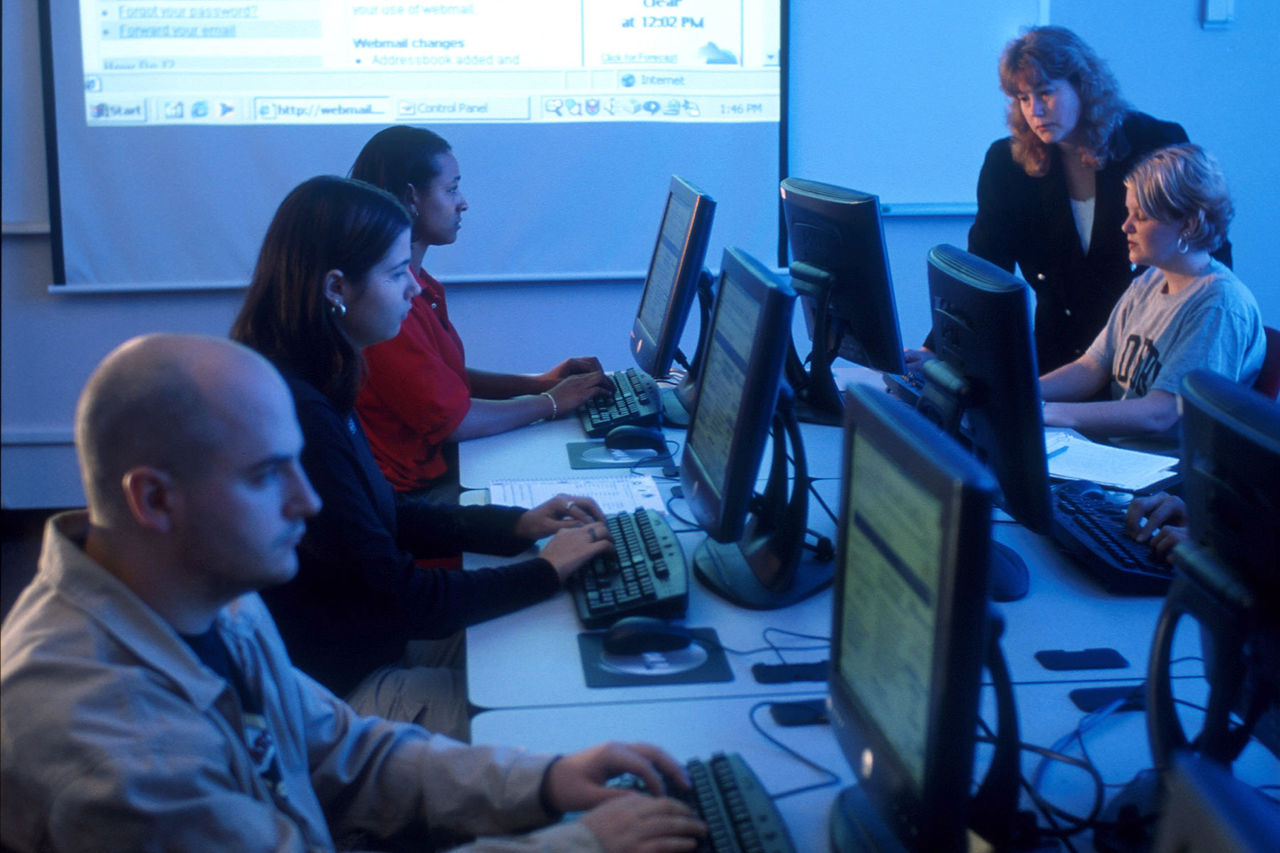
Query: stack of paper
{"points": [[1073, 457], [613, 494]]}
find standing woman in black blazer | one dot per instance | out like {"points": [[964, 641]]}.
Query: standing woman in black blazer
{"points": [[1051, 195]]}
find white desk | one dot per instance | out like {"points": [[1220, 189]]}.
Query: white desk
{"points": [[1064, 609], [537, 452], [526, 667], [696, 728], [531, 657], [1117, 745], [691, 729]]}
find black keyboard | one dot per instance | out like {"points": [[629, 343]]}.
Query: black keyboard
{"points": [[636, 400], [647, 575], [1090, 526], [907, 387], [728, 797]]}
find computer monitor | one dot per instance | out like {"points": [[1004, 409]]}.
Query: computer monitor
{"points": [[840, 269], [984, 389], [1227, 579], [752, 552], [909, 627], [1231, 477], [676, 275]]}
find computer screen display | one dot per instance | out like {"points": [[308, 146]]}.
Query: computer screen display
{"points": [[985, 386], [908, 624], [738, 384], [673, 276], [837, 233]]}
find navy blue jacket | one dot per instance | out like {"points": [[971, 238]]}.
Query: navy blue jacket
{"points": [[358, 596]]}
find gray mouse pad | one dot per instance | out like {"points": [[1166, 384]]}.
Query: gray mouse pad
{"points": [[593, 454], [702, 662]]}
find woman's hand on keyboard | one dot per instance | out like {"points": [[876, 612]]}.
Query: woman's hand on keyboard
{"points": [[572, 391], [569, 550], [572, 366], [559, 513]]}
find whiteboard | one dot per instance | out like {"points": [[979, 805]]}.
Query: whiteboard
{"points": [[900, 99]]}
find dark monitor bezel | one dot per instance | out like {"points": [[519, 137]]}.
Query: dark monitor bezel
{"points": [[840, 231], [931, 815], [1231, 476], [655, 349], [720, 507], [982, 332]]}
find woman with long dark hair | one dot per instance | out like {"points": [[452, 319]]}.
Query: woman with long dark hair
{"points": [[333, 278]]}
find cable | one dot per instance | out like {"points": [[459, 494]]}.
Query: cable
{"points": [[777, 649], [833, 777], [693, 525], [822, 503]]}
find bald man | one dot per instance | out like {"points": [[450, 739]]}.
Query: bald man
{"points": [[146, 701]]}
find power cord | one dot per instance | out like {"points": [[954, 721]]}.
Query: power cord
{"points": [[833, 778]]}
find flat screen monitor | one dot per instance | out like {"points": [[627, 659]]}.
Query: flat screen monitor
{"points": [[840, 268], [1231, 477], [985, 386], [675, 273], [909, 623], [1231, 485], [752, 552]]}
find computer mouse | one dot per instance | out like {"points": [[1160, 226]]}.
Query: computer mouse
{"points": [[632, 437], [635, 635], [1087, 490]]}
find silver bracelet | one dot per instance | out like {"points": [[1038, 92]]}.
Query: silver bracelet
{"points": [[555, 410]]}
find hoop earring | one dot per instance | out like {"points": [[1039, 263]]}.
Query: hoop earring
{"points": [[1183, 244], [337, 309]]}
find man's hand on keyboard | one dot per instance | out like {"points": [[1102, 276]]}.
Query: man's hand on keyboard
{"points": [[1158, 519], [578, 781], [631, 823], [624, 820]]}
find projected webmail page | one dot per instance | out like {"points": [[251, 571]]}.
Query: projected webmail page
{"points": [[337, 61]]}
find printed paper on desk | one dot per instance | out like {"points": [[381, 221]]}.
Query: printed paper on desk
{"points": [[1072, 457], [613, 494]]}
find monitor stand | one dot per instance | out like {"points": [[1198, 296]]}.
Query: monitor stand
{"points": [[678, 402], [943, 400], [675, 412], [856, 826], [1008, 578], [766, 569], [818, 400]]}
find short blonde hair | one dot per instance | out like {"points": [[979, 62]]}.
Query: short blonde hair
{"points": [[1184, 184]]}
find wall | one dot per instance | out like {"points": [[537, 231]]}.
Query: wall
{"points": [[1219, 84]]}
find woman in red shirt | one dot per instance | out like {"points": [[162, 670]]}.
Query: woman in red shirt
{"points": [[420, 397]]}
